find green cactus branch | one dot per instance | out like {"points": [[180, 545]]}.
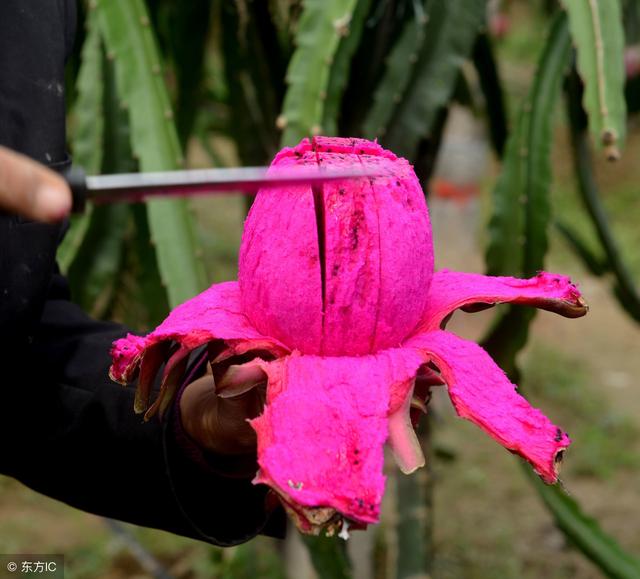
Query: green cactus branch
{"points": [[625, 288], [321, 25], [585, 532], [521, 206], [398, 71], [415, 514], [341, 67], [489, 79], [451, 29], [87, 131], [329, 557], [596, 30], [131, 45]]}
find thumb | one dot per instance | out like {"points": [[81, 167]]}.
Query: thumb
{"points": [[244, 406], [29, 189]]}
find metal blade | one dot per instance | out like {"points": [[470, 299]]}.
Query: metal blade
{"points": [[133, 187]]}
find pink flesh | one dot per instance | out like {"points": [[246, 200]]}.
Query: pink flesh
{"points": [[214, 314], [481, 393], [321, 436], [451, 290], [332, 271]]}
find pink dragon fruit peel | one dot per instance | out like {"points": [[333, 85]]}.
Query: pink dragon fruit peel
{"points": [[337, 306]]}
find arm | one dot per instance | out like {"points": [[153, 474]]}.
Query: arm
{"points": [[65, 429], [70, 433]]}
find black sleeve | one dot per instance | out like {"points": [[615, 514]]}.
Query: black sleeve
{"points": [[66, 430], [36, 37], [69, 432]]}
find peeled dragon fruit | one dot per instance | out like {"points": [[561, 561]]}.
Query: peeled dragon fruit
{"points": [[338, 309]]}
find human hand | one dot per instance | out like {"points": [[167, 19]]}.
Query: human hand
{"points": [[220, 425], [29, 189]]}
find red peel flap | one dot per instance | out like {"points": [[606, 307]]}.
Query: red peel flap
{"points": [[481, 393], [451, 290], [215, 314], [321, 436]]}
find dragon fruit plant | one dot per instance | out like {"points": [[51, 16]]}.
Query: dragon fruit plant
{"points": [[339, 311]]}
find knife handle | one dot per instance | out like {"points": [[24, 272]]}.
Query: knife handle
{"points": [[76, 178]]}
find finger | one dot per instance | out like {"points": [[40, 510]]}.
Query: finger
{"points": [[238, 380], [217, 424], [233, 415], [31, 190], [244, 406]]}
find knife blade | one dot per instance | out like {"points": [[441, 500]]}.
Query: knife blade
{"points": [[136, 187]]}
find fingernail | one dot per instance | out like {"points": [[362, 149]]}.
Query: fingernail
{"points": [[52, 204], [238, 380]]}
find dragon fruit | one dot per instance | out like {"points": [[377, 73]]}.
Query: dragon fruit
{"points": [[339, 311]]}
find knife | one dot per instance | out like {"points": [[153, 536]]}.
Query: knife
{"points": [[136, 187]]}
